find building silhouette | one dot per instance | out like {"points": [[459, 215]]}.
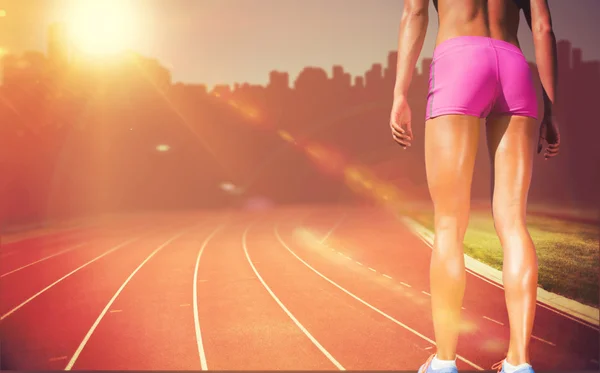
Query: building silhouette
{"points": [[81, 136]]}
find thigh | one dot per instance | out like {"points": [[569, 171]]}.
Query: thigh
{"points": [[511, 143], [450, 150]]}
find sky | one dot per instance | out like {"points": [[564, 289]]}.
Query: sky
{"points": [[227, 41]]}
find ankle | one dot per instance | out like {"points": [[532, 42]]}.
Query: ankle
{"points": [[517, 359], [445, 356], [439, 363]]}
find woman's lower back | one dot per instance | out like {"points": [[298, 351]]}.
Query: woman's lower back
{"points": [[497, 19]]}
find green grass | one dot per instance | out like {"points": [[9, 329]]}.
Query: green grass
{"points": [[568, 255]]}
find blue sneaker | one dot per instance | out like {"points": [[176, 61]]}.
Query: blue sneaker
{"points": [[426, 368], [499, 366]]}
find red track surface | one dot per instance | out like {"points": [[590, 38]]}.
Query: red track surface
{"points": [[296, 288]]}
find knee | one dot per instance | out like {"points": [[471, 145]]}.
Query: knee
{"points": [[450, 219], [449, 235], [508, 220]]}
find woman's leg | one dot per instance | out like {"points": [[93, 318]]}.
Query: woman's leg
{"points": [[450, 149], [511, 143]]}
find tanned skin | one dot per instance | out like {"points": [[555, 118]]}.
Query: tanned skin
{"points": [[450, 148]]}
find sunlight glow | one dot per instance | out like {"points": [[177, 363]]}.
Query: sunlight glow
{"points": [[102, 27], [228, 187]]}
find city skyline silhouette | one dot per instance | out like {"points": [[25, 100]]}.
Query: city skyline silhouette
{"points": [[314, 106], [190, 37]]}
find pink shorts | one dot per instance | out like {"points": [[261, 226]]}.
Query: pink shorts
{"points": [[480, 76]]}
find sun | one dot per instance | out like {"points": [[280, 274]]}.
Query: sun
{"points": [[102, 27]]}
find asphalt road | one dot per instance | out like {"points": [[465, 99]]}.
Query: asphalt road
{"points": [[297, 288]]}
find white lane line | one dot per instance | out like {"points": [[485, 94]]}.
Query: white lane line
{"points": [[405, 284], [45, 258], [387, 276], [429, 242], [112, 300], [426, 293], [492, 320], [359, 263], [66, 233], [64, 277], [543, 340], [372, 269], [115, 311], [334, 228], [366, 303], [201, 353], [284, 308]]}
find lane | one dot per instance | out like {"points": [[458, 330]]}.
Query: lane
{"points": [[404, 309], [43, 334], [148, 322], [30, 257], [33, 261], [335, 285], [20, 284], [21, 253], [398, 253], [355, 336], [7, 245], [28, 250], [12, 243], [242, 327]]}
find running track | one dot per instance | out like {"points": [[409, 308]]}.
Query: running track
{"points": [[290, 288]]}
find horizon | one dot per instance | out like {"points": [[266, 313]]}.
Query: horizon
{"points": [[301, 47], [327, 69]]}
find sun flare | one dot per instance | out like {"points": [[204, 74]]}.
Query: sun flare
{"points": [[102, 27]]}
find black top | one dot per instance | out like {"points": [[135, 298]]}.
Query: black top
{"points": [[522, 4]]}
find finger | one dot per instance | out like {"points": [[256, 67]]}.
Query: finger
{"points": [[541, 142], [397, 127], [401, 135], [401, 141], [552, 149], [404, 146]]}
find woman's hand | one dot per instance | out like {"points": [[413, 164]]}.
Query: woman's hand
{"points": [[550, 133], [400, 122]]}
